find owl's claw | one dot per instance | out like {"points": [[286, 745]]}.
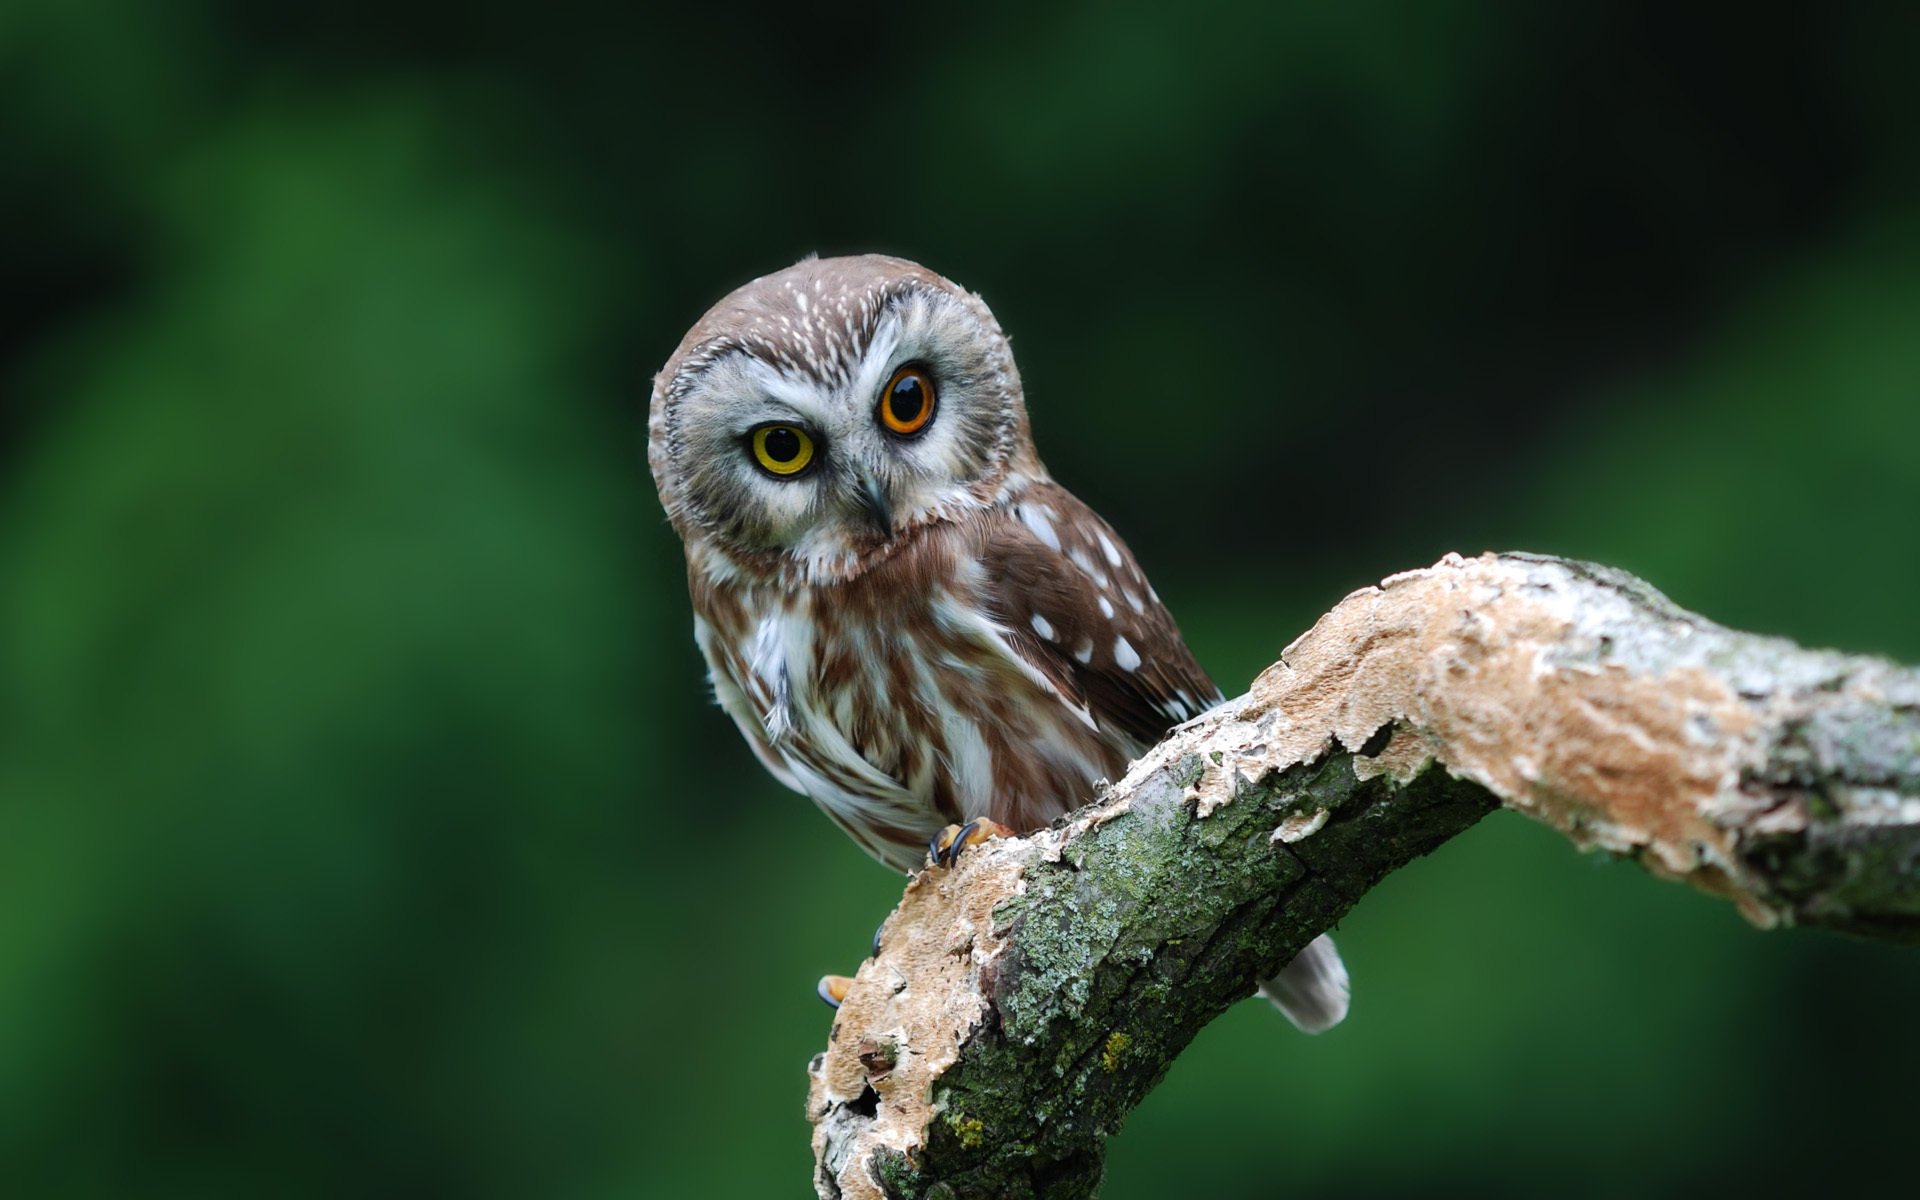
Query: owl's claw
{"points": [[946, 845], [832, 989]]}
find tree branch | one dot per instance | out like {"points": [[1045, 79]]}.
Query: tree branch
{"points": [[1023, 1002]]}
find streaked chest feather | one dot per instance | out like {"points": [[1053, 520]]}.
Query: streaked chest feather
{"points": [[898, 705]]}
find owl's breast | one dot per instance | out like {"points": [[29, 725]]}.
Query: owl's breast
{"points": [[896, 704], [820, 684]]}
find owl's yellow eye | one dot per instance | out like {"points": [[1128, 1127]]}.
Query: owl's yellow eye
{"points": [[782, 449], [907, 403]]}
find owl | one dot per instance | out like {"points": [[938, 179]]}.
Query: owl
{"points": [[911, 623]]}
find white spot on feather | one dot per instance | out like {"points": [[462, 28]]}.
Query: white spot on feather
{"points": [[1126, 655], [1085, 562], [1043, 627], [1083, 653], [1106, 545], [1106, 608], [1036, 520]]}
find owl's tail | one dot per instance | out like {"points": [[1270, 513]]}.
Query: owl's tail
{"points": [[1312, 989]]}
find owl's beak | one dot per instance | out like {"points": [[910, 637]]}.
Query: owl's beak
{"points": [[874, 500]]}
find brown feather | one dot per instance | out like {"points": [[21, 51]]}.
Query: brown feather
{"points": [[1065, 588]]}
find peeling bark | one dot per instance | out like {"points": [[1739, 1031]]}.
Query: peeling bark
{"points": [[1023, 1002]]}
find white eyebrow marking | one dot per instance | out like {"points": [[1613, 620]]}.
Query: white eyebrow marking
{"points": [[1125, 654], [1042, 626]]}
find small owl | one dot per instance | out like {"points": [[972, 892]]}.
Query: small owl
{"points": [[911, 623]]}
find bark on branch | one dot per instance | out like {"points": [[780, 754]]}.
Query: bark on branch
{"points": [[1022, 1003]]}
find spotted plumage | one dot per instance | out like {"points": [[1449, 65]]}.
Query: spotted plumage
{"points": [[910, 622]]}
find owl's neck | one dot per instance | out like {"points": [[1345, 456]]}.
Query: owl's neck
{"points": [[815, 564], [833, 559]]}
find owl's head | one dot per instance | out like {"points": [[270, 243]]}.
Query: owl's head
{"points": [[817, 417]]}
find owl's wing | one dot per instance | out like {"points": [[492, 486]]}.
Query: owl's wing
{"points": [[1080, 611]]}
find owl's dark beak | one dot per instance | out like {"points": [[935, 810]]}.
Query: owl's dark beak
{"points": [[874, 500]]}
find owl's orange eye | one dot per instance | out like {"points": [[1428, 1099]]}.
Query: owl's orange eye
{"points": [[907, 403], [782, 450]]}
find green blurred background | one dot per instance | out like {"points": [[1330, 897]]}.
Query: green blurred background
{"points": [[364, 826]]}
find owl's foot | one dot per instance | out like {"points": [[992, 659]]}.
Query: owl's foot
{"points": [[946, 845], [833, 989]]}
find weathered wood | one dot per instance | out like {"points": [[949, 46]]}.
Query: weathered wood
{"points": [[1023, 1002]]}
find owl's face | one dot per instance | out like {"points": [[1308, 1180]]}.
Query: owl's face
{"points": [[816, 417]]}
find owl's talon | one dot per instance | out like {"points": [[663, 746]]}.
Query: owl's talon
{"points": [[949, 842], [832, 989]]}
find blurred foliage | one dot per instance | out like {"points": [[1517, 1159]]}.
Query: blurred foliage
{"points": [[363, 825]]}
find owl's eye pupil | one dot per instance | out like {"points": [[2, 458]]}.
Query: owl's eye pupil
{"points": [[907, 405], [783, 445], [908, 399], [782, 450]]}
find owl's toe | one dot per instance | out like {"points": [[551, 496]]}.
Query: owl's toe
{"points": [[832, 989], [946, 846]]}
